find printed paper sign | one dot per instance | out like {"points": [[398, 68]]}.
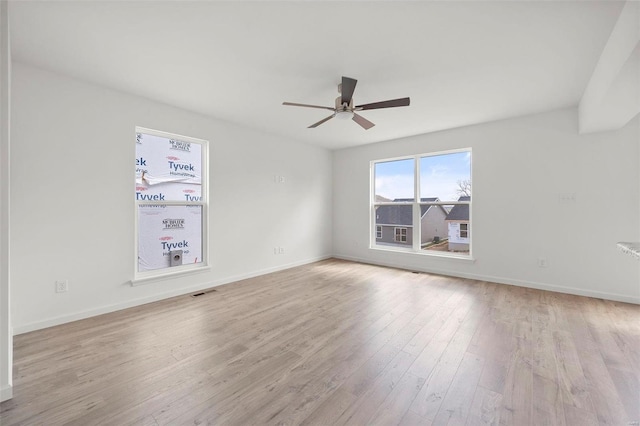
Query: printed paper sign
{"points": [[163, 229]]}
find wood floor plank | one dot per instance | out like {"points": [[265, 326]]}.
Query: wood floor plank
{"points": [[548, 407], [485, 408], [457, 402], [607, 409], [430, 354], [518, 388], [440, 377], [331, 409], [397, 403], [573, 383], [576, 416], [413, 419], [337, 343], [628, 391], [361, 411]]}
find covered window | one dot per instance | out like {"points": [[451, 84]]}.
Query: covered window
{"points": [[171, 205]]}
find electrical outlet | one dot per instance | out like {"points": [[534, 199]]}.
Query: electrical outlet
{"points": [[542, 262], [280, 250], [62, 286]]}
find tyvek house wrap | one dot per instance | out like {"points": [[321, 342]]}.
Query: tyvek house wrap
{"points": [[162, 229], [168, 170], [161, 160], [171, 191]]}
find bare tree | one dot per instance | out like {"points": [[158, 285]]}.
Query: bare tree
{"points": [[464, 188]]}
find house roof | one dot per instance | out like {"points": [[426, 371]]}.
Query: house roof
{"points": [[401, 214], [394, 215], [460, 211]]}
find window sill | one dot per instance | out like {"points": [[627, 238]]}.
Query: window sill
{"points": [[165, 275], [441, 255]]}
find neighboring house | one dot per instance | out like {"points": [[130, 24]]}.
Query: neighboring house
{"points": [[394, 223], [458, 224]]}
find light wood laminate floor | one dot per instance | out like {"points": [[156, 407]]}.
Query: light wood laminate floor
{"points": [[335, 343]]}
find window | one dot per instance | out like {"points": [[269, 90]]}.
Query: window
{"points": [[426, 199], [401, 234], [464, 230], [171, 205]]}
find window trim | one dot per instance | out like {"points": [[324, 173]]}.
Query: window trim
{"points": [[416, 203], [158, 274]]}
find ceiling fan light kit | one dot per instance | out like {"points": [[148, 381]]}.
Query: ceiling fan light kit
{"points": [[344, 105]]}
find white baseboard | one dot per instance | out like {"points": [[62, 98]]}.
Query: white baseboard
{"points": [[50, 322], [6, 392], [508, 281]]}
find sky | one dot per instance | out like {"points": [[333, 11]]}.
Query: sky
{"points": [[439, 175]]}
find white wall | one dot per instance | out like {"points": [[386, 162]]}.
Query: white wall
{"points": [[72, 182], [612, 96], [519, 168], [6, 340]]}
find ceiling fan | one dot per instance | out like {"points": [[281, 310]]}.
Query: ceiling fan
{"points": [[344, 105]]}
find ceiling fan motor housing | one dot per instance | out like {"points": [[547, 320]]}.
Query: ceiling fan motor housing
{"points": [[340, 107]]}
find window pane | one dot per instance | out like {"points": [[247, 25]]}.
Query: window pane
{"points": [[395, 224], [450, 233], [433, 225], [394, 180], [167, 169], [445, 177], [167, 231]]}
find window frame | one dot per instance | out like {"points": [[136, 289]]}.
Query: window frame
{"points": [[141, 277], [416, 248]]}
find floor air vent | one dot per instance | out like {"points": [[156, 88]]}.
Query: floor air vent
{"points": [[202, 293]]}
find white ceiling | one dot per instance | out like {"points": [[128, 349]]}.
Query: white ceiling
{"points": [[460, 62]]}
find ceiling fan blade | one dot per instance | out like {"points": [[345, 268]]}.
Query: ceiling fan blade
{"points": [[348, 87], [308, 106], [363, 122], [324, 120], [384, 104]]}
